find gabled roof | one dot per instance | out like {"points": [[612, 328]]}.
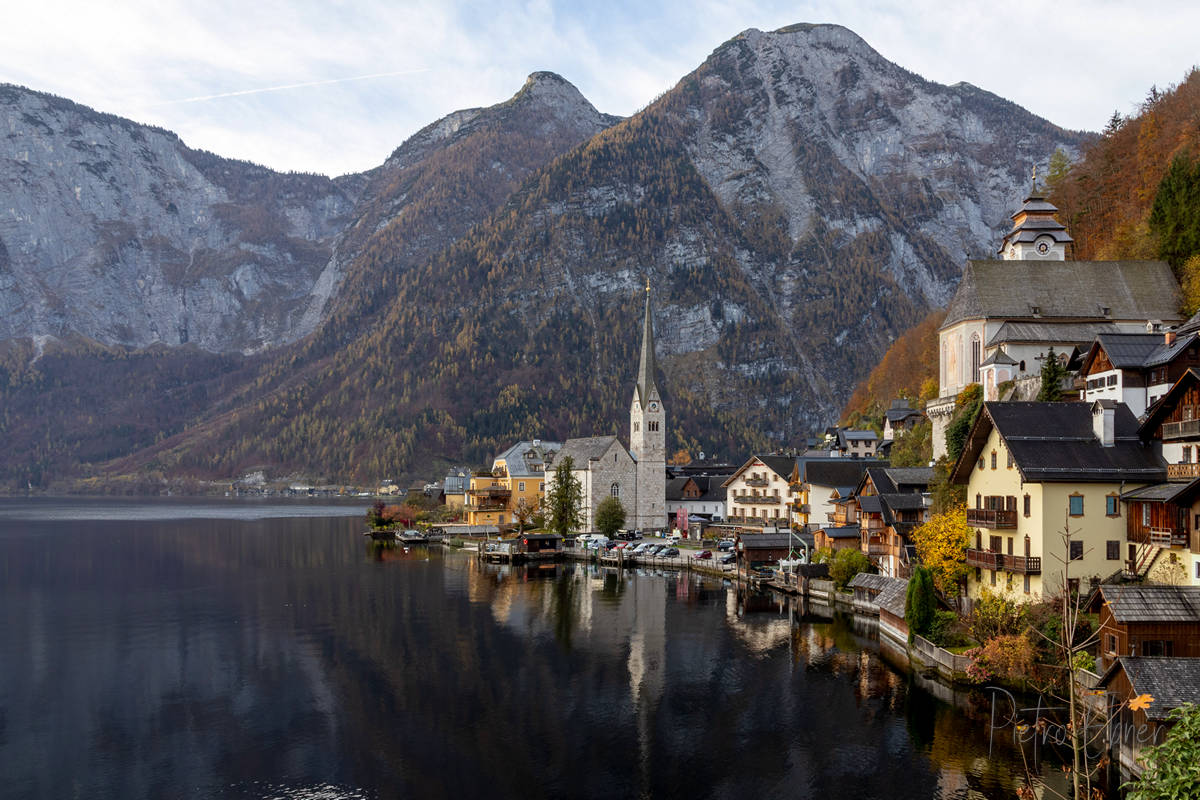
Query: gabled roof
{"points": [[836, 472], [584, 450], [1158, 412], [1055, 443], [1166, 353], [900, 409], [1079, 290], [843, 531], [1152, 603], [780, 465], [1124, 350], [870, 504], [892, 597], [1170, 681], [711, 488], [874, 583], [768, 541], [528, 458]]}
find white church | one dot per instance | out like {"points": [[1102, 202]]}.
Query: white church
{"points": [[636, 476]]}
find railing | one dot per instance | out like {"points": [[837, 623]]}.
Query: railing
{"points": [[755, 481], [755, 499], [991, 518], [1183, 471], [485, 506], [1179, 430], [874, 549], [494, 491], [1022, 565]]}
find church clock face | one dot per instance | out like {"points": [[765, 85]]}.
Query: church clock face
{"points": [[1043, 247], [654, 406]]}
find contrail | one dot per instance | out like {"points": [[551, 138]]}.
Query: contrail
{"points": [[244, 92]]}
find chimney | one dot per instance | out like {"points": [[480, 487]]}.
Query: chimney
{"points": [[1104, 422], [1169, 338]]}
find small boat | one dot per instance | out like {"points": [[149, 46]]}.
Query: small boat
{"points": [[412, 537]]}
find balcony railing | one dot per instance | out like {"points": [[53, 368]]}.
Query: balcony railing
{"points": [[1181, 430], [1023, 565], [755, 481], [492, 491], [991, 518], [755, 499], [1183, 471], [878, 549], [486, 505]]}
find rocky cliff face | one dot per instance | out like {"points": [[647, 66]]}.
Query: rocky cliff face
{"points": [[121, 233]]}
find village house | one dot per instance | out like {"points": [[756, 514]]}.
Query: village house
{"points": [[699, 496], [760, 492], [814, 483], [1008, 313], [900, 417], [454, 488], [1137, 369], [1147, 620], [516, 480], [843, 532], [1033, 469], [892, 502]]}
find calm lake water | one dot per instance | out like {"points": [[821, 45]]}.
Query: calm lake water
{"points": [[222, 649]]}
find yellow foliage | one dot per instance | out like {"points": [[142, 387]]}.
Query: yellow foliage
{"points": [[942, 544]]}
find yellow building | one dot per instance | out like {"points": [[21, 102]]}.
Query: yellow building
{"points": [[1033, 470], [517, 477]]}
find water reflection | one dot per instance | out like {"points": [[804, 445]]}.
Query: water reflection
{"points": [[264, 658]]}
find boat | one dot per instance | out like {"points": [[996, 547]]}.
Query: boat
{"points": [[412, 537]]}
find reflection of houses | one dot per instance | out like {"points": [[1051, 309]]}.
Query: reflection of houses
{"points": [[698, 495], [1171, 682], [760, 492], [1147, 620], [1030, 467], [515, 480], [892, 502], [1033, 299]]}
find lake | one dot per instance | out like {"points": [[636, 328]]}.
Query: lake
{"points": [[185, 648]]}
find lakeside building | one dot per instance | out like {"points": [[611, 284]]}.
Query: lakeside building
{"points": [[818, 482], [892, 502], [1033, 468], [1170, 681], [1146, 620], [636, 476], [699, 496], [760, 491], [1007, 313], [516, 479]]}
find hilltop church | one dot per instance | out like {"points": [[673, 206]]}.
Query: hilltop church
{"points": [[636, 476]]}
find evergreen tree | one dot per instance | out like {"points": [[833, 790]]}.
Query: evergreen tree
{"points": [[920, 603], [1175, 216], [1053, 373], [610, 516], [565, 498]]}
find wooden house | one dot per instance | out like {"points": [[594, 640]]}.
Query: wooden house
{"points": [[1167, 682], [1147, 620]]}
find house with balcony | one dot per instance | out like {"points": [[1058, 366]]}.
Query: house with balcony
{"points": [[1146, 620], [892, 502], [1137, 369], [515, 480], [760, 492], [817, 481], [845, 527], [1033, 470]]}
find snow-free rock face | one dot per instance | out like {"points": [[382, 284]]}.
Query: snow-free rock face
{"points": [[121, 233]]}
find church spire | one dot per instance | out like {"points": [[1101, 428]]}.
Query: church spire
{"points": [[647, 367]]}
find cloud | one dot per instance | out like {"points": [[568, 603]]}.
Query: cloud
{"points": [[335, 87]]}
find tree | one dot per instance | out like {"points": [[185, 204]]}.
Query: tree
{"points": [[565, 498], [920, 603], [846, 564], [1189, 281], [1172, 769], [1053, 373], [523, 512], [681, 458], [914, 447], [1175, 215], [966, 408], [942, 546], [610, 516]]}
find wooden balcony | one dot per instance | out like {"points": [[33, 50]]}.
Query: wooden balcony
{"points": [[1181, 430], [485, 505], [1022, 565], [755, 481], [993, 518], [1175, 471], [879, 549], [756, 499]]}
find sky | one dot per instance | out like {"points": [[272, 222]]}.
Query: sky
{"points": [[333, 87]]}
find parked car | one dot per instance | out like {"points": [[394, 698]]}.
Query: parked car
{"points": [[726, 544], [729, 558], [669, 552], [704, 554], [655, 549]]}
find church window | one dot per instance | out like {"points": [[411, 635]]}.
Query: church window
{"points": [[615, 491], [637, 426], [975, 358]]}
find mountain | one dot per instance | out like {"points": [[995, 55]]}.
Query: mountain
{"points": [[796, 203], [120, 233]]}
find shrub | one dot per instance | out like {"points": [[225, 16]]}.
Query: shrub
{"points": [[846, 564], [1172, 769], [996, 614], [1009, 657]]}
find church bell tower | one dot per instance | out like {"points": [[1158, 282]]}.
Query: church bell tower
{"points": [[648, 436]]}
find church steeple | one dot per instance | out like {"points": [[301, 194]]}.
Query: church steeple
{"points": [[1035, 234], [647, 367]]}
